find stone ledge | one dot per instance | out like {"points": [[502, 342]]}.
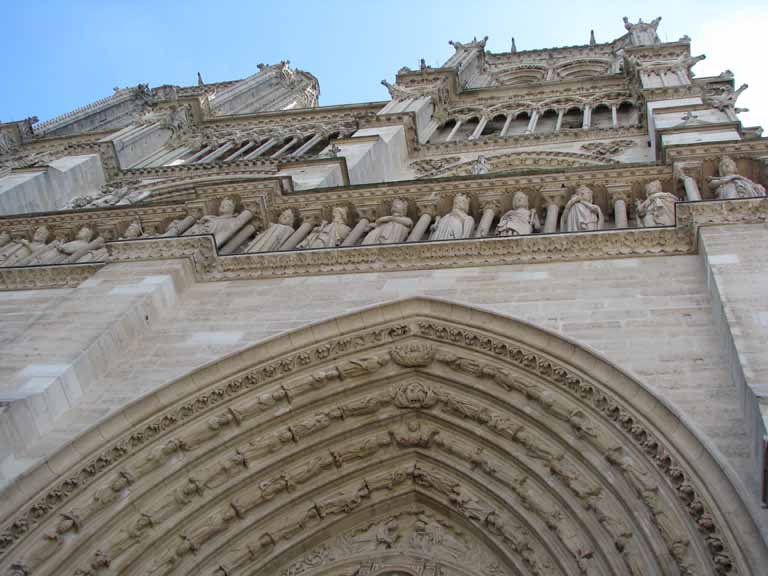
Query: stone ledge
{"points": [[38, 277], [558, 247]]}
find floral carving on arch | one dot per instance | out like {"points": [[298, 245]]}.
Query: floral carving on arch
{"points": [[415, 437]]}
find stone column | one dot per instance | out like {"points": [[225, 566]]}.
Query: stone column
{"points": [[357, 232], [554, 199], [455, 129], [560, 114], [532, 122], [507, 122], [619, 195], [290, 143], [217, 153], [301, 233], [422, 225], [692, 192], [614, 116], [308, 144], [479, 130], [261, 149], [237, 240], [246, 148], [490, 209], [200, 154], [587, 120]]}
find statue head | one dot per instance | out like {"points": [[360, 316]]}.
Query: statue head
{"points": [[134, 230], [461, 202], [286, 217], [4, 236], [727, 166], [399, 207], [340, 215], [227, 207], [584, 192], [520, 200], [653, 187], [85, 234], [40, 235]]}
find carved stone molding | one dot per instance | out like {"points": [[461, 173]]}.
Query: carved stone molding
{"points": [[546, 414], [34, 277]]}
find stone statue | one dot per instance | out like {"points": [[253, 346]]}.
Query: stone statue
{"points": [[15, 252], [580, 214], [133, 231], [730, 185], [84, 248], [275, 235], [223, 226], [481, 165], [658, 209], [328, 234], [520, 220], [642, 33], [456, 224], [391, 229]]}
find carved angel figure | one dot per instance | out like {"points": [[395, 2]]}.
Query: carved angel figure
{"points": [[520, 220], [658, 209], [393, 228], [328, 234], [580, 214], [456, 224], [730, 185], [275, 235]]}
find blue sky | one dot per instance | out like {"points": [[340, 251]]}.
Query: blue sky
{"points": [[59, 55]]}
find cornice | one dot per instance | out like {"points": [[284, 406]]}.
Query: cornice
{"points": [[739, 148], [37, 277]]}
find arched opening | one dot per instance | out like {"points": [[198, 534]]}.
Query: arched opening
{"points": [[519, 124], [418, 433], [494, 126], [627, 114], [547, 122], [466, 129], [601, 117], [573, 118], [442, 133]]}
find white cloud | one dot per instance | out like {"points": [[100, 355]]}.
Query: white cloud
{"points": [[736, 41]]}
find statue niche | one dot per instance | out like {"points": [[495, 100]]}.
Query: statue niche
{"points": [[328, 234], [275, 235], [456, 224], [520, 220], [658, 209], [580, 214], [393, 228], [730, 184], [223, 226]]}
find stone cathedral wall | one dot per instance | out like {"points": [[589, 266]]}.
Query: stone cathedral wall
{"points": [[144, 325]]}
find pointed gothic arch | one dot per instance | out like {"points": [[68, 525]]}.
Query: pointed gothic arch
{"points": [[418, 433]]}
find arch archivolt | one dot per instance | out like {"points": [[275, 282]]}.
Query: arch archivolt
{"points": [[338, 450]]}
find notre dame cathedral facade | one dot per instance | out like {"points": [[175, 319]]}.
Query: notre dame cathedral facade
{"points": [[510, 322]]}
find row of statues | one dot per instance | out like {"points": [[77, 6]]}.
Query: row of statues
{"points": [[86, 247], [233, 232]]}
